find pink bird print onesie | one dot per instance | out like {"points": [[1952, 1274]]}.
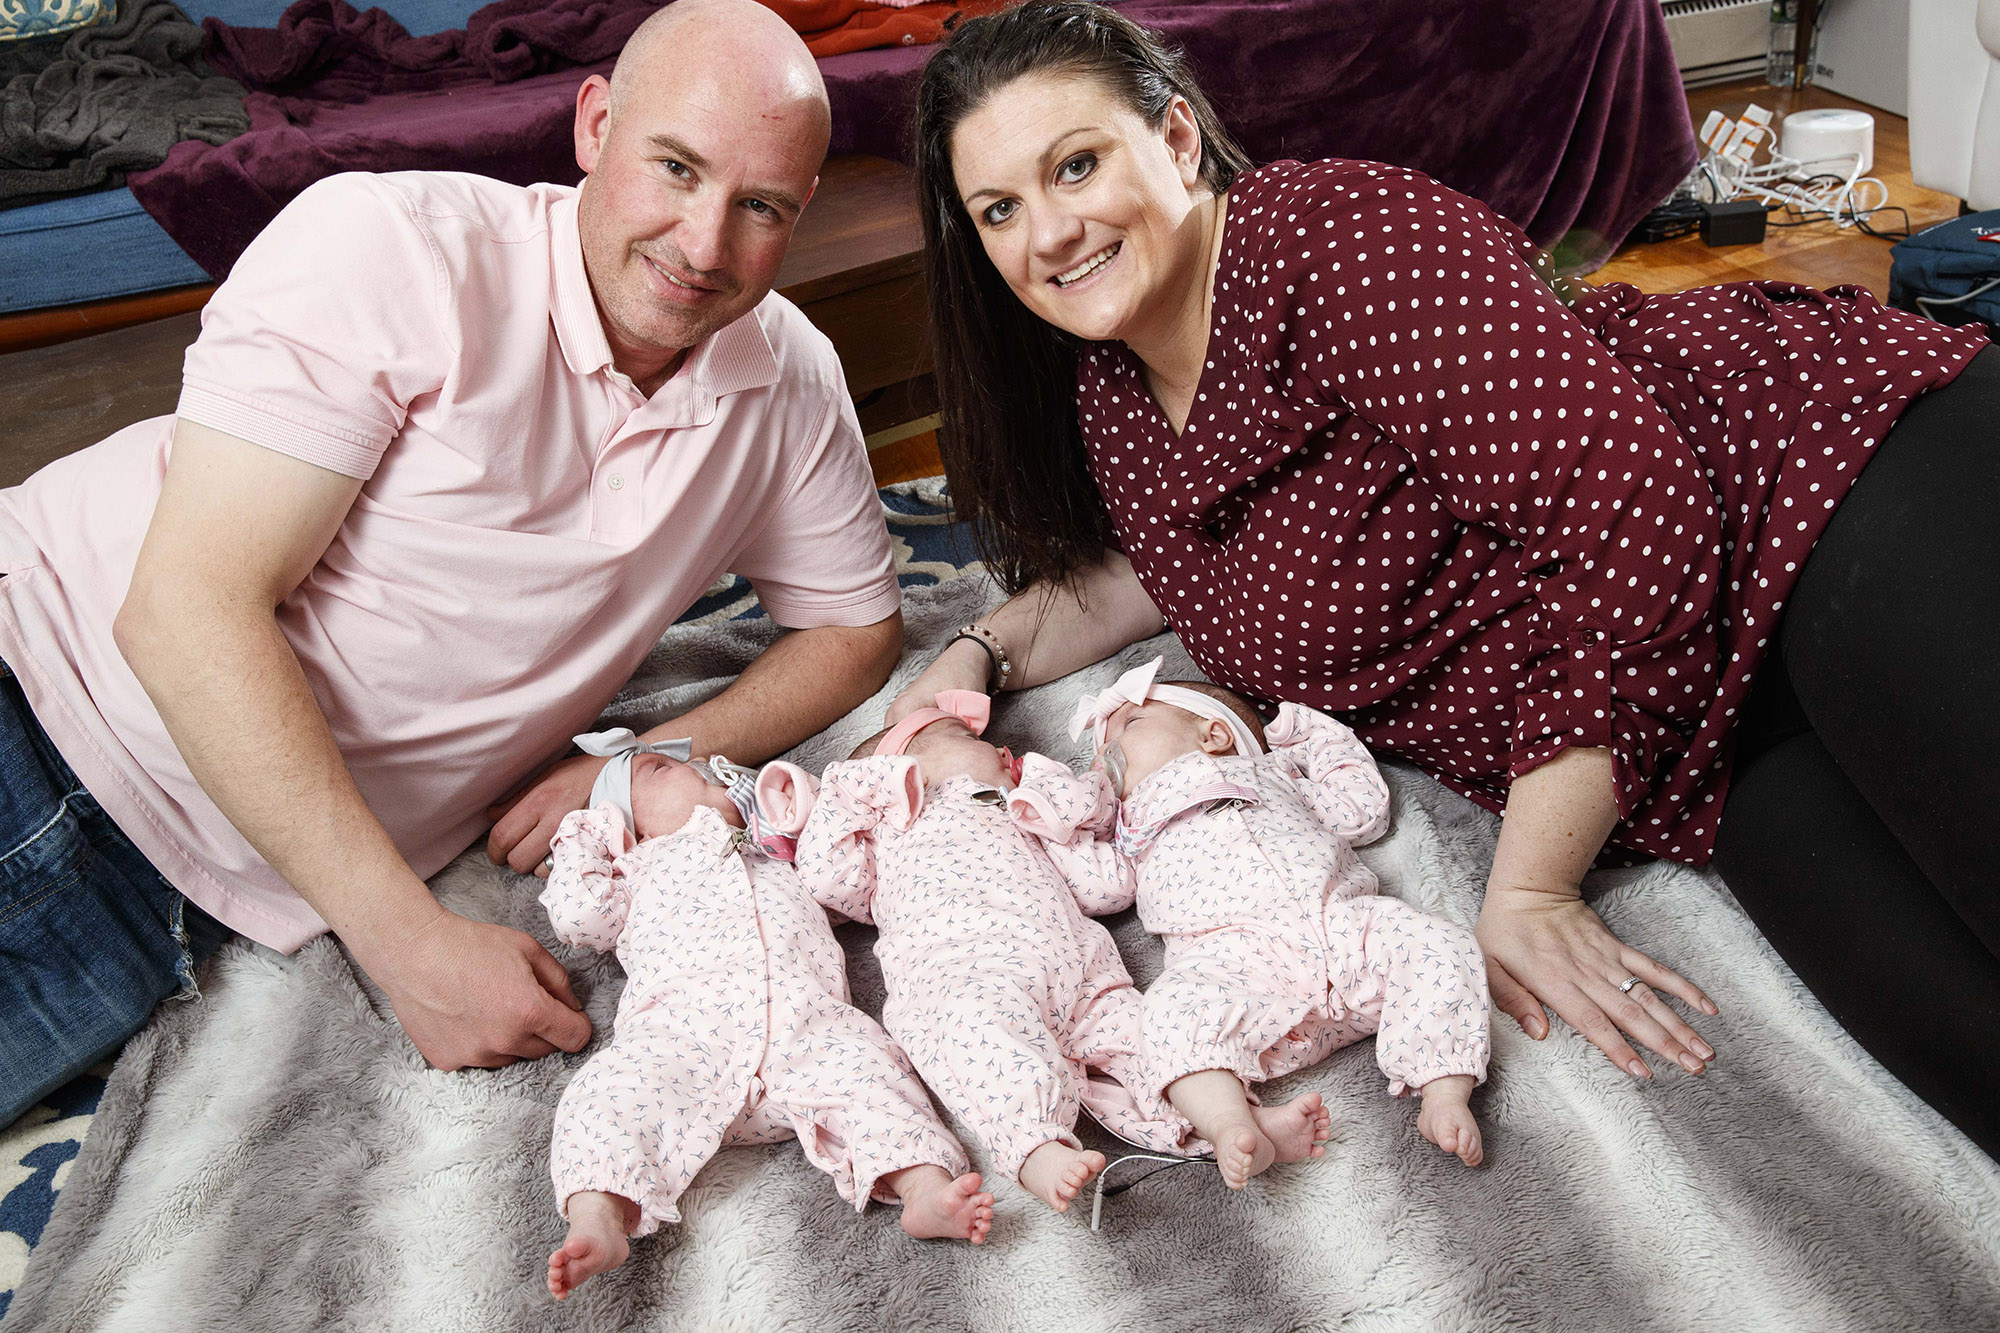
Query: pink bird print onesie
{"points": [[1280, 949], [1014, 1006], [734, 1027]]}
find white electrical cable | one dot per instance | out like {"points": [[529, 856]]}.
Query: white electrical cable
{"points": [[1104, 1191], [1732, 175], [1924, 303]]}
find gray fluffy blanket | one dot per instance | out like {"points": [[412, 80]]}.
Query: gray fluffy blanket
{"points": [[116, 97], [275, 1156]]}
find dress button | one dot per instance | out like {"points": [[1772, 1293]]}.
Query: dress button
{"points": [[617, 483]]}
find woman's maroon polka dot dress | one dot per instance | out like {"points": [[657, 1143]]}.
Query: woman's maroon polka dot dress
{"points": [[1416, 490]]}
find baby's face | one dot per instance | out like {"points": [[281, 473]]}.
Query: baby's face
{"points": [[1141, 739], [666, 791], [948, 749]]}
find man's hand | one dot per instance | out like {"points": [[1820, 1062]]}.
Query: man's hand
{"points": [[470, 994], [524, 826]]}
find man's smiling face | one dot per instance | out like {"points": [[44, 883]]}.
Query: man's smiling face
{"points": [[700, 152]]}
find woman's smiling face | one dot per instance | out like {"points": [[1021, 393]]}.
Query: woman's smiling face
{"points": [[1083, 206]]}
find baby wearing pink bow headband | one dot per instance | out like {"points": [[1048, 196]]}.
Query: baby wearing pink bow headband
{"points": [[1014, 1006], [972, 711]]}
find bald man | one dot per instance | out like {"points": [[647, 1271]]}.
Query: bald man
{"points": [[450, 455]]}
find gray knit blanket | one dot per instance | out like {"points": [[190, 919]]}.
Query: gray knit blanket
{"points": [[275, 1156], [80, 111]]}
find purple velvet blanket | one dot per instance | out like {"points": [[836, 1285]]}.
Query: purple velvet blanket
{"points": [[1566, 116]]}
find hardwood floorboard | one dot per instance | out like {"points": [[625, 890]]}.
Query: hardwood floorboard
{"points": [[1819, 254]]}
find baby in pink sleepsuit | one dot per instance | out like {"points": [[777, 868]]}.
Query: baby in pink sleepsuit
{"points": [[1280, 949], [1014, 1006], [734, 1026]]}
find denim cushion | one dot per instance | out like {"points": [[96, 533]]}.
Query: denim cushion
{"points": [[421, 17], [85, 248], [93, 246]]}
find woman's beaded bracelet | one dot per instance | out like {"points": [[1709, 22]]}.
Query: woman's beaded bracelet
{"points": [[1001, 668]]}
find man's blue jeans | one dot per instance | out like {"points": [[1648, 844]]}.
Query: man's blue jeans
{"points": [[91, 937]]}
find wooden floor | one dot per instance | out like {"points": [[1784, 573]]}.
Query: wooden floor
{"points": [[1818, 254]]}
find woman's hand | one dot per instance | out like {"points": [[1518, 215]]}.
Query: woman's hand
{"points": [[1549, 948], [963, 665], [1049, 630]]}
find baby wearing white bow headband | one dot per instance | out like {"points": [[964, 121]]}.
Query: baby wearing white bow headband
{"points": [[735, 1025], [1279, 947]]}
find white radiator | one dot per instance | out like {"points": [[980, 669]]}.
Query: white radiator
{"points": [[1715, 40]]}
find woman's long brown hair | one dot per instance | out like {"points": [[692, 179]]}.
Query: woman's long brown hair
{"points": [[1012, 449]]}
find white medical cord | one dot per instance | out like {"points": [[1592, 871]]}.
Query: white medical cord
{"points": [[1104, 1191]]}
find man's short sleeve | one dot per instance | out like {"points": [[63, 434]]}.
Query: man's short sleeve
{"points": [[326, 329], [824, 558]]}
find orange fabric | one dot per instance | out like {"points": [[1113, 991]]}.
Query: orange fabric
{"points": [[834, 27]]}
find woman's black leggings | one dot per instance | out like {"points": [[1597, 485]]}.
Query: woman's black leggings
{"points": [[1862, 830]]}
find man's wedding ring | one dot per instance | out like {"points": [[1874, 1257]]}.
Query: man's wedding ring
{"points": [[548, 863], [1627, 984]]}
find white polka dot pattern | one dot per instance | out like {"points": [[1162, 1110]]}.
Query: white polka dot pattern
{"points": [[1415, 489]]}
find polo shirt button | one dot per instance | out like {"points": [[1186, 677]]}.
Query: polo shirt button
{"points": [[617, 483], [909, 39]]}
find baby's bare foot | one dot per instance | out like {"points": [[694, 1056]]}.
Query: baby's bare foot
{"points": [[1297, 1130], [1056, 1173], [1242, 1150], [1446, 1118], [596, 1242], [936, 1207]]}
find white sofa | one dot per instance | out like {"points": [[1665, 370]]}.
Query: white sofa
{"points": [[1955, 98]]}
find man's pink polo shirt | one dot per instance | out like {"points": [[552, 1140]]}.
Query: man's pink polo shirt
{"points": [[529, 525]]}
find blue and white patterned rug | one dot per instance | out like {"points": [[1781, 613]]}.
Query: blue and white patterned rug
{"points": [[36, 1151]]}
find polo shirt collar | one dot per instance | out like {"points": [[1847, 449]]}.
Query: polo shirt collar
{"points": [[734, 358]]}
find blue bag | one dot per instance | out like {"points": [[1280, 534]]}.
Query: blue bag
{"points": [[1950, 272]]}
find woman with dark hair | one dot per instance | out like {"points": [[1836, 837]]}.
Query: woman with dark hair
{"points": [[1327, 422]]}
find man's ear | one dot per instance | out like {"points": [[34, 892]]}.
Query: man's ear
{"points": [[1215, 737], [593, 121]]}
